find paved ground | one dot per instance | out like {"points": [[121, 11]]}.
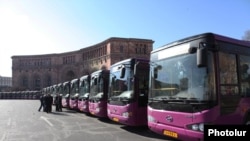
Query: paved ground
{"points": [[20, 121]]}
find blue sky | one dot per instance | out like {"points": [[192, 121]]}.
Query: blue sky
{"points": [[30, 27]]}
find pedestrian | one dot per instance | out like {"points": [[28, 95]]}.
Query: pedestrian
{"points": [[49, 103], [46, 103], [60, 103], [56, 101], [41, 103]]}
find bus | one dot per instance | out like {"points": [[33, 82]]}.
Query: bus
{"points": [[66, 94], [128, 93], [74, 93], [84, 89], [196, 81], [99, 84]]}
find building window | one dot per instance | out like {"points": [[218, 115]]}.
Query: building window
{"points": [[121, 48], [25, 82], [69, 60], [145, 49], [37, 83]]}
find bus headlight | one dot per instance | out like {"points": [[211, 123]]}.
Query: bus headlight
{"points": [[151, 119], [125, 115], [196, 127], [97, 109]]}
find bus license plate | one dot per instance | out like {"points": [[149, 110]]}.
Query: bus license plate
{"points": [[115, 119], [170, 134]]}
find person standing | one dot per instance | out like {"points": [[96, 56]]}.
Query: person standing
{"points": [[41, 103], [50, 103], [60, 103], [46, 103], [56, 101]]}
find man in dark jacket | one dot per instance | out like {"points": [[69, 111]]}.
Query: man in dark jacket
{"points": [[56, 101], [42, 103], [50, 103]]}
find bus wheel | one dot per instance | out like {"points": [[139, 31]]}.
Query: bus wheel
{"points": [[247, 120]]}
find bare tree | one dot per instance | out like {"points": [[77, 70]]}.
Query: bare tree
{"points": [[246, 36]]}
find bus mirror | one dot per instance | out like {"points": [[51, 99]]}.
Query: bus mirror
{"points": [[82, 83], [113, 80], [158, 67], [95, 81], [135, 68], [123, 69], [155, 73], [99, 78], [202, 57], [192, 50]]}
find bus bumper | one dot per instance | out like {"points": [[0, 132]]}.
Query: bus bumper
{"points": [[176, 132]]}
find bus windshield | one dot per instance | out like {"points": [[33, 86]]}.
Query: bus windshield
{"points": [[84, 88], [66, 89], [96, 87], [179, 80], [74, 88], [121, 87]]}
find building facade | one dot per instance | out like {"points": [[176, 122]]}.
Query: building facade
{"points": [[34, 72], [5, 83]]}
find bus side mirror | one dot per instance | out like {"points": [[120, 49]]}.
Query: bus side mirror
{"points": [[113, 80], [82, 83], [135, 68], [201, 57], [95, 81], [123, 69], [155, 73]]}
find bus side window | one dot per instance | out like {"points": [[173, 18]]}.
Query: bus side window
{"points": [[228, 74], [245, 75]]}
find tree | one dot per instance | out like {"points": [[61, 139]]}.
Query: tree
{"points": [[246, 36]]}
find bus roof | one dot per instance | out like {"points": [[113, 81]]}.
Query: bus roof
{"points": [[65, 83], [84, 77], [99, 71], [74, 80], [130, 59], [205, 35]]}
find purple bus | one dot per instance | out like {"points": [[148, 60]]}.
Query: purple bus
{"points": [[128, 93], [74, 93], [66, 94], [99, 84], [196, 81], [84, 89]]}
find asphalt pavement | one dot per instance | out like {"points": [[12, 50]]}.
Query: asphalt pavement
{"points": [[20, 120]]}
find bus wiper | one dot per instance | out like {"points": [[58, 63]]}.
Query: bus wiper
{"points": [[191, 100], [154, 100], [124, 98], [172, 99], [179, 100]]}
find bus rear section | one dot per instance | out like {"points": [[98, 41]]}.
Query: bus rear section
{"points": [[198, 81], [128, 93], [84, 89], [98, 93], [74, 94]]}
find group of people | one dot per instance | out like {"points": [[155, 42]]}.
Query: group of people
{"points": [[47, 102]]}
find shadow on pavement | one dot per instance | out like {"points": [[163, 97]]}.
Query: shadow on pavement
{"points": [[144, 131]]}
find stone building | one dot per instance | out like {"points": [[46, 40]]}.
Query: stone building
{"points": [[33, 72]]}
